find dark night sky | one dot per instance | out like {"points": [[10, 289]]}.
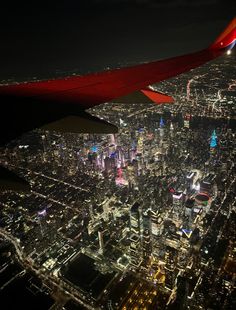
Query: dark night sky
{"points": [[89, 35]]}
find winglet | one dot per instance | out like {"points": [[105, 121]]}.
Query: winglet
{"points": [[227, 39], [157, 97], [145, 95]]}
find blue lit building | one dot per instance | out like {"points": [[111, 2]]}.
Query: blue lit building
{"points": [[162, 124], [213, 141]]}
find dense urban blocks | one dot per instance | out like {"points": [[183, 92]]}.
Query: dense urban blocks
{"points": [[141, 218]]}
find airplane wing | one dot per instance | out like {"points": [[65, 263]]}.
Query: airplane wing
{"points": [[61, 102], [62, 97]]}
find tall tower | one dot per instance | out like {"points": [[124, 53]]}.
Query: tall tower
{"points": [[136, 218], [140, 143], [177, 204], [45, 144], [42, 221], [101, 242], [135, 249], [171, 129], [161, 127], [187, 119], [91, 213], [156, 222], [213, 141], [214, 152], [170, 267], [146, 234]]}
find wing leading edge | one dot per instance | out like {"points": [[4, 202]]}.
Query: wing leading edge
{"points": [[93, 89]]}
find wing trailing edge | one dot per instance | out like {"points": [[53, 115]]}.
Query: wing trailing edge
{"points": [[85, 123]]}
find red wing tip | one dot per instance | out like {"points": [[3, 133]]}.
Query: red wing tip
{"points": [[157, 97], [227, 38]]}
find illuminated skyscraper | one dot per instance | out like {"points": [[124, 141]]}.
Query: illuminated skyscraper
{"points": [[42, 221], [135, 251], [213, 141], [120, 180], [140, 142], [170, 269], [177, 205], [187, 119], [101, 241], [156, 222], [162, 123], [110, 164], [189, 180], [136, 218], [46, 146], [136, 228], [131, 170], [146, 234], [161, 127], [171, 129]]}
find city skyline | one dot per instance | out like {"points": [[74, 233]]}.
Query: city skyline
{"points": [[154, 200], [138, 219]]}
